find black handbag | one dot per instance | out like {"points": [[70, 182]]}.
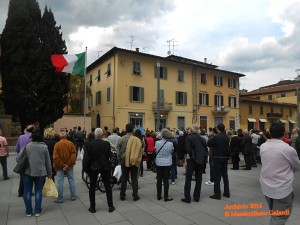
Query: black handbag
{"points": [[22, 163]]}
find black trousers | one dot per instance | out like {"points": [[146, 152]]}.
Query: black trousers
{"points": [[190, 168], [235, 158], [248, 162], [221, 170], [133, 170], [163, 174], [150, 159], [105, 175]]}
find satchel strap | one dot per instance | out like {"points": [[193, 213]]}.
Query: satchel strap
{"points": [[161, 147]]}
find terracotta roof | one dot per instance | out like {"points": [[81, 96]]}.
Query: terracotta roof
{"points": [[275, 88], [249, 99]]}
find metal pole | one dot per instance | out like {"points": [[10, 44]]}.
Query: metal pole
{"points": [[158, 96], [84, 99], [298, 107]]}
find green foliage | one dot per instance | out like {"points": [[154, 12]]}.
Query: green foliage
{"points": [[31, 90]]}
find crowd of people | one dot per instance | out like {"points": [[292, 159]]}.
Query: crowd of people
{"points": [[54, 155]]}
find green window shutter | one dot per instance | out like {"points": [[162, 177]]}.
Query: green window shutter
{"points": [[142, 94], [200, 99], [207, 99], [176, 97], [184, 98], [131, 93], [221, 81]]}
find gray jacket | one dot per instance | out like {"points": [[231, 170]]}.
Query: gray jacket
{"points": [[39, 159]]}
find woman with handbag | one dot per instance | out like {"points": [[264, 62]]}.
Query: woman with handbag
{"points": [[163, 160], [39, 166]]}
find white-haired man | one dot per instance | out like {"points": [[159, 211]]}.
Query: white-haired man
{"points": [[98, 153]]}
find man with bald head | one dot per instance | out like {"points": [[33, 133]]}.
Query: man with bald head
{"points": [[64, 159]]}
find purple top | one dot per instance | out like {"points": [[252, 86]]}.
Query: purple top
{"points": [[22, 141]]}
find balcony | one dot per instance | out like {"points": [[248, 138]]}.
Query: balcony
{"points": [[220, 109], [164, 107], [274, 116]]}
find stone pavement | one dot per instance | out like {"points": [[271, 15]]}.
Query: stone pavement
{"points": [[244, 188]]}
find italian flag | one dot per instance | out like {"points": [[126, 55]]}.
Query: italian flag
{"points": [[74, 64]]}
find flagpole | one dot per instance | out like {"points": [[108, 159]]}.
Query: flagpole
{"points": [[84, 99]]}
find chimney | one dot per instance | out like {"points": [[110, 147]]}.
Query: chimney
{"points": [[205, 60], [137, 49]]}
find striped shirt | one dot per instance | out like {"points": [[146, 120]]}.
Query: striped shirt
{"points": [[164, 157]]}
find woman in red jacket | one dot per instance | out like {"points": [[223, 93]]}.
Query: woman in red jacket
{"points": [[149, 149]]}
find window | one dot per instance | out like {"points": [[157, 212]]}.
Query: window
{"points": [[98, 98], [250, 109], [108, 71], [163, 72], [231, 83], [261, 110], [90, 101], [162, 95], [180, 75], [136, 68], [282, 95], [99, 76], [218, 81], [136, 94], [91, 80], [180, 122], [203, 78], [203, 122], [257, 97], [219, 100], [232, 123], [270, 97], [203, 99], [136, 119], [108, 94], [232, 101], [181, 98]]}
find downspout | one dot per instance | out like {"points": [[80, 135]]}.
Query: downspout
{"points": [[114, 92]]}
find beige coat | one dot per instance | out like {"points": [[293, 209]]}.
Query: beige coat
{"points": [[133, 155]]}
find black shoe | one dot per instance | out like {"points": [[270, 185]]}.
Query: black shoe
{"points": [[20, 195], [246, 169], [196, 200], [215, 197], [122, 198], [6, 178], [227, 196], [254, 166], [185, 200], [136, 198], [111, 209], [168, 199], [158, 197], [92, 210]]}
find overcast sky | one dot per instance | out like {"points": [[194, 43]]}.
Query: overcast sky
{"points": [[259, 38]]}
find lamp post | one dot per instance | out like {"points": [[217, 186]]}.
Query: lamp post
{"points": [[158, 95]]}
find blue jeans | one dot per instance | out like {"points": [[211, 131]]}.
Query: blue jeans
{"points": [[28, 182], [60, 183], [3, 161]]}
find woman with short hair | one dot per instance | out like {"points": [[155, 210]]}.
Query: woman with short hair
{"points": [[164, 150]]}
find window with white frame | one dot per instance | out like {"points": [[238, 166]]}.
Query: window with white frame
{"points": [[181, 98], [98, 75], [98, 98], [108, 94], [218, 80], [232, 101], [136, 94], [203, 99], [180, 122], [231, 83], [203, 78], [180, 75], [219, 100], [136, 68], [163, 72]]}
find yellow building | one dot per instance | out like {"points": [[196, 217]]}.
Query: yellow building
{"points": [[124, 87], [272, 103]]}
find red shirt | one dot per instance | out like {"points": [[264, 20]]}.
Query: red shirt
{"points": [[150, 144]]}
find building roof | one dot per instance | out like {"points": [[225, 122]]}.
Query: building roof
{"points": [[249, 99], [171, 58], [282, 86]]}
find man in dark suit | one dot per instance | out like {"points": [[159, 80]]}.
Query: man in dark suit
{"points": [[98, 153], [246, 149], [220, 156]]}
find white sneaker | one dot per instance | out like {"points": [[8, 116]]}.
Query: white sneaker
{"points": [[172, 183], [209, 183]]}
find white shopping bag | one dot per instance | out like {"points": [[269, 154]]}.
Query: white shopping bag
{"points": [[82, 153], [118, 172]]}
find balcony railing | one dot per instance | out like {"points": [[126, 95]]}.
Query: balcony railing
{"points": [[163, 107], [274, 115], [220, 109]]}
